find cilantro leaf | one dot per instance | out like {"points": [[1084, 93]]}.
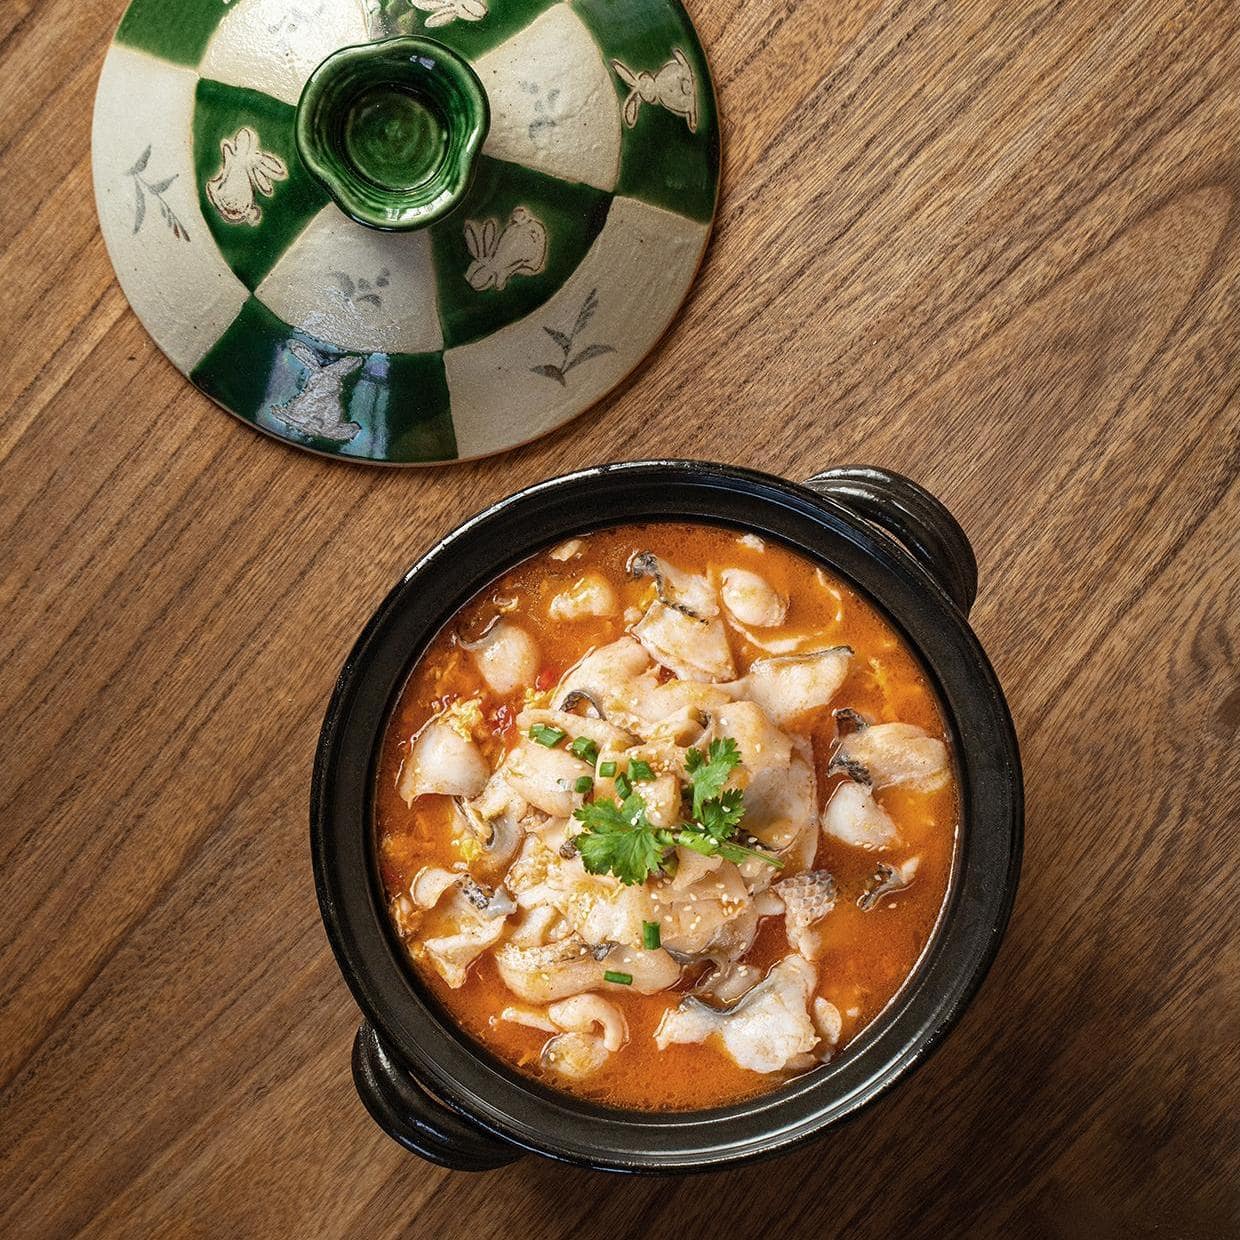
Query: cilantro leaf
{"points": [[709, 773], [620, 840], [605, 816], [721, 817]]}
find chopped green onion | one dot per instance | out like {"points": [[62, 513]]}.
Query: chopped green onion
{"points": [[544, 734], [583, 785], [623, 787], [651, 937], [607, 769], [640, 772], [621, 979], [585, 749]]}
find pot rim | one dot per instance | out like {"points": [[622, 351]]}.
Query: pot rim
{"points": [[476, 1084]]}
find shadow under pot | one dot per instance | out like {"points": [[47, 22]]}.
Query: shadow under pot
{"points": [[443, 1096]]}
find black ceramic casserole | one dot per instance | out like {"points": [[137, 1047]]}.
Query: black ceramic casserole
{"points": [[440, 1094]]}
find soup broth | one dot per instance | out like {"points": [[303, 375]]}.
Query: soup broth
{"points": [[666, 816]]}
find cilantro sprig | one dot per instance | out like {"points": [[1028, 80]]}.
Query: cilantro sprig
{"points": [[620, 839], [709, 772]]}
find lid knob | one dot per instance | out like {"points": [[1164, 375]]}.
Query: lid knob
{"points": [[392, 130]]}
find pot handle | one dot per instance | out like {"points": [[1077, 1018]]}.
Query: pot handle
{"points": [[915, 518], [415, 1119]]}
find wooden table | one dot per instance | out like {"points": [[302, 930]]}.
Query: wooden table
{"points": [[992, 246]]}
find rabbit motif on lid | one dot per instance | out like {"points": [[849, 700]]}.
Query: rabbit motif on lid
{"points": [[520, 250], [245, 169], [672, 87], [445, 12], [316, 409]]}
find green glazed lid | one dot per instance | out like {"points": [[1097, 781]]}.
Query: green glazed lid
{"points": [[405, 231], [391, 131]]}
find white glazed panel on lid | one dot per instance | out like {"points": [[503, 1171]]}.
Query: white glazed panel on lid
{"points": [[553, 102], [356, 288], [274, 45], [148, 206]]}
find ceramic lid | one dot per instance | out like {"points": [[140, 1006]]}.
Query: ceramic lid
{"points": [[405, 231]]}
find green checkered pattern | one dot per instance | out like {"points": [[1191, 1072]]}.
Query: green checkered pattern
{"points": [[398, 406]]}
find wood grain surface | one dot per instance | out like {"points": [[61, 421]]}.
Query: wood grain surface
{"points": [[994, 246]]}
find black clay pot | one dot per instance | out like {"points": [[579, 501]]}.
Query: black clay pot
{"points": [[442, 1096]]}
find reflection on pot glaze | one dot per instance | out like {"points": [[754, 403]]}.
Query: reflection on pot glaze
{"points": [[445, 12], [673, 87], [245, 170], [520, 250], [318, 409]]}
